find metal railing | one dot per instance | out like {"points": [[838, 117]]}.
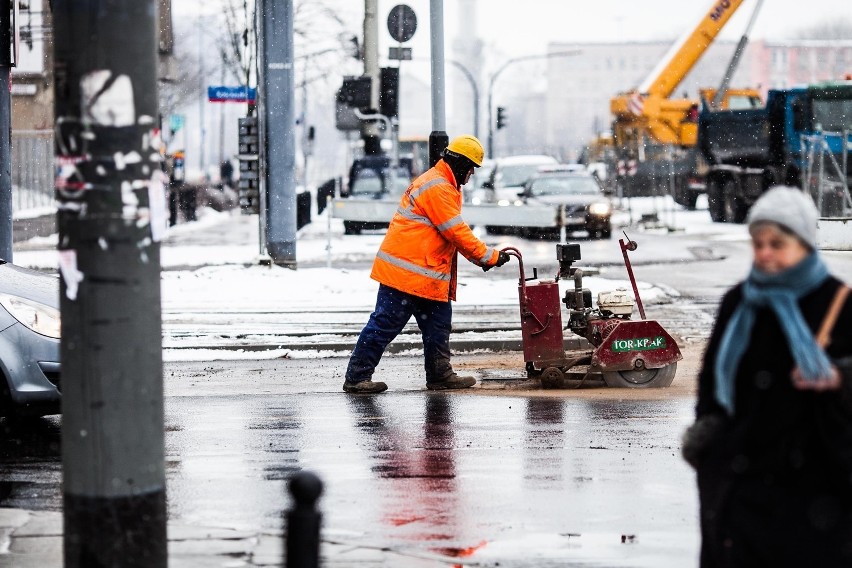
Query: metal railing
{"points": [[32, 170], [823, 176]]}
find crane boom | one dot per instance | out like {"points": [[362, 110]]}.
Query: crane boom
{"points": [[648, 112], [650, 128], [684, 54]]}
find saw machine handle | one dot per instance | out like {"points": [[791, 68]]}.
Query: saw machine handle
{"points": [[631, 246], [512, 251], [522, 280]]}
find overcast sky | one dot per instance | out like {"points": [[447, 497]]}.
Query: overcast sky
{"points": [[520, 28], [534, 22], [513, 27]]}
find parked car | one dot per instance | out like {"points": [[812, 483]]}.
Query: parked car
{"points": [[29, 342], [580, 196], [507, 179]]}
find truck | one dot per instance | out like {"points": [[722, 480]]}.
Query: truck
{"points": [[801, 137]]}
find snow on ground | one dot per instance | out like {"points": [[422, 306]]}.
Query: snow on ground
{"points": [[674, 218], [212, 265], [261, 288], [201, 274], [171, 355], [33, 212]]}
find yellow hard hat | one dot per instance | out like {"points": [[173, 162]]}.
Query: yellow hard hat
{"points": [[469, 147]]}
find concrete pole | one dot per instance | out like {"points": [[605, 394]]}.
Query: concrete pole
{"points": [[278, 131], [438, 138], [369, 130], [5, 136], [111, 215]]}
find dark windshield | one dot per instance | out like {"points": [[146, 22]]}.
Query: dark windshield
{"points": [[564, 185], [369, 182], [516, 175], [832, 115]]}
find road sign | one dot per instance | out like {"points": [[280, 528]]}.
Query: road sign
{"points": [[224, 94], [400, 53], [402, 23]]}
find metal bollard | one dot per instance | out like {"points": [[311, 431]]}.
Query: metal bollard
{"points": [[303, 522]]}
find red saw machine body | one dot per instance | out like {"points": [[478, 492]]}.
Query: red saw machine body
{"points": [[622, 352]]}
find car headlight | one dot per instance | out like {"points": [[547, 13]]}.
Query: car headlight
{"points": [[38, 317], [475, 201], [600, 209], [503, 202]]}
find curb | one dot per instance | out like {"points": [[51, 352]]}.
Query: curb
{"points": [[458, 346]]}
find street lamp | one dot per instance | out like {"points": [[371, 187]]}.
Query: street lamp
{"points": [[466, 72], [497, 74]]}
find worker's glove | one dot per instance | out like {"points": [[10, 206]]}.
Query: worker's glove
{"points": [[502, 258]]}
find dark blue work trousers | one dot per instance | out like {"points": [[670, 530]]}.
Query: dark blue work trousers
{"points": [[393, 310]]}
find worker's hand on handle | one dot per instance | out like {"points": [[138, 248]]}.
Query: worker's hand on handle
{"points": [[502, 258]]}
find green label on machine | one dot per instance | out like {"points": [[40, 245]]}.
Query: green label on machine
{"points": [[639, 344]]}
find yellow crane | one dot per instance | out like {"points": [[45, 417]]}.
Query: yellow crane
{"points": [[648, 112]]}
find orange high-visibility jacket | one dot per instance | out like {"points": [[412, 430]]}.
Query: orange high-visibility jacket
{"points": [[418, 254]]}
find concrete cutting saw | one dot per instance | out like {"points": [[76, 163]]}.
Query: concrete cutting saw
{"points": [[621, 352]]}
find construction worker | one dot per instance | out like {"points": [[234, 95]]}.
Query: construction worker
{"points": [[416, 271]]}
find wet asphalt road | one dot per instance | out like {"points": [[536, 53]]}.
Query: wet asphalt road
{"points": [[494, 477], [508, 478]]}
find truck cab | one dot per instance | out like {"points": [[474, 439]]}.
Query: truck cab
{"points": [[750, 150]]}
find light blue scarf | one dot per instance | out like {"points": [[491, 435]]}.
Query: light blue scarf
{"points": [[781, 292]]}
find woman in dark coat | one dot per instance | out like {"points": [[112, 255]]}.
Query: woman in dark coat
{"points": [[772, 444]]}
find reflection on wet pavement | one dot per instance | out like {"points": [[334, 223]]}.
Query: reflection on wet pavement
{"points": [[509, 479], [30, 463]]}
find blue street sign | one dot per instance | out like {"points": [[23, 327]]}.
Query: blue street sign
{"points": [[231, 94]]}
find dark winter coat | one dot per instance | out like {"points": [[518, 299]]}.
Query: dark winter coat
{"points": [[775, 480]]}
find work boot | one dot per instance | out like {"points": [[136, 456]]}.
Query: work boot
{"points": [[364, 387], [452, 381]]}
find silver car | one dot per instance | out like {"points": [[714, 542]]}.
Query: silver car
{"points": [[583, 204], [507, 179], [29, 342]]}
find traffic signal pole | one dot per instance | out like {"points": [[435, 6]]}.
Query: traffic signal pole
{"points": [[111, 215], [494, 79]]}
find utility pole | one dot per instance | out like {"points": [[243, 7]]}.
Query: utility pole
{"points": [[5, 132], [111, 216], [278, 137], [438, 138], [369, 130]]}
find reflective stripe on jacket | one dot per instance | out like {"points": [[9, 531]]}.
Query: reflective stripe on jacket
{"points": [[418, 254]]}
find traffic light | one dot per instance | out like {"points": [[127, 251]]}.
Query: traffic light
{"points": [[501, 117], [388, 91], [355, 92], [249, 185]]}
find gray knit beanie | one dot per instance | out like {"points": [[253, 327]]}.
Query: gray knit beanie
{"points": [[790, 207]]}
